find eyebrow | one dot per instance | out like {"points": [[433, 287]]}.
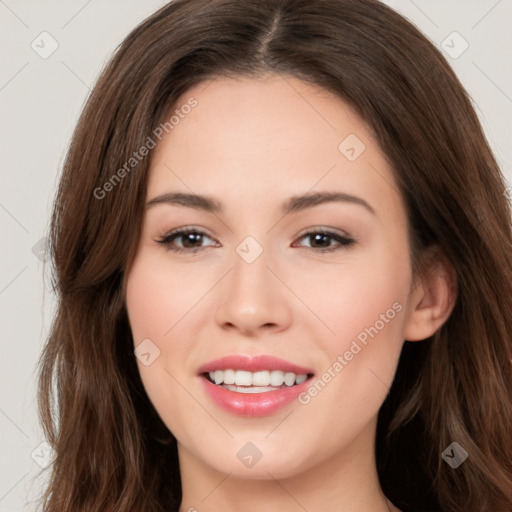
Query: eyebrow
{"points": [[292, 205]]}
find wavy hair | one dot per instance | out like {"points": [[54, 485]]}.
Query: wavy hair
{"points": [[113, 452]]}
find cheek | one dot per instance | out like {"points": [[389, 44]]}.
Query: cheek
{"points": [[365, 293], [156, 300], [367, 315], [157, 297], [153, 307], [365, 308]]}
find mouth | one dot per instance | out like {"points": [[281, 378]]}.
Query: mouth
{"points": [[242, 381], [253, 385]]}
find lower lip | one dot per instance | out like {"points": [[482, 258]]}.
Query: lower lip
{"points": [[253, 404]]}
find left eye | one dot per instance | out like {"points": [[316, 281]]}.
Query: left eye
{"points": [[324, 237], [191, 237]]}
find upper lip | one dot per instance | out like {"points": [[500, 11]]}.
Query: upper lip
{"points": [[253, 364]]}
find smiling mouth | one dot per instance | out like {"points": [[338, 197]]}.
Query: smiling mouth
{"points": [[264, 381]]}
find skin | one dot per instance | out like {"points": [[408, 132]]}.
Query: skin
{"points": [[251, 144]]}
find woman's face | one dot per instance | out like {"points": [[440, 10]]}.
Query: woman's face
{"points": [[320, 288]]}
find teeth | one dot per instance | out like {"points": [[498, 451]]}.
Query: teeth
{"points": [[276, 377], [289, 379], [300, 379], [261, 379], [229, 376], [248, 389], [243, 378]]}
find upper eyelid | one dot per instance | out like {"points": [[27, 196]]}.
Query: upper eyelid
{"points": [[305, 231], [323, 229]]}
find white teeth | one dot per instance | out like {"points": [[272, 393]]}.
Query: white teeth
{"points": [[218, 376], [276, 377], [260, 378], [229, 376], [289, 379], [259, 381], [243, 378], [301, 378], [249, 389]]}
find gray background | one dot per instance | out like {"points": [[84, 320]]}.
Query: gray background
{"points": [[40, 100]]}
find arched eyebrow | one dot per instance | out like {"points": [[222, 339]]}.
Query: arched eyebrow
{"points": [[292, 205]]}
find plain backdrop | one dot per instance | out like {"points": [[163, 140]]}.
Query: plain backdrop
{"points": [[41, 97]]}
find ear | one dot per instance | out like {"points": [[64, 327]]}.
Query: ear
{"points": [[433, 298]]}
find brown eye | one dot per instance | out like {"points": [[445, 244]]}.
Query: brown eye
{"points": [[191, 240], [321, 241]]}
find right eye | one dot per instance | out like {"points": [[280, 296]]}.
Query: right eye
{"points": [[189, 237]]}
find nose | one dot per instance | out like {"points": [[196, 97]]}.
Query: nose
{"points": [[253, 299]]}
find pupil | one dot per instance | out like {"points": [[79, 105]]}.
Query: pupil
{"points": [[318, 236], [192, 238]]}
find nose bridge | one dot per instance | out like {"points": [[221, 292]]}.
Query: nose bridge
{"points": [[252, 296], [250, 273]]}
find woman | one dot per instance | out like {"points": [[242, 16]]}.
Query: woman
{"points": [[283, 256]]}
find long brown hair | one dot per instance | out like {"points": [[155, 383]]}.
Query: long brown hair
{"points": [[113, 452]]}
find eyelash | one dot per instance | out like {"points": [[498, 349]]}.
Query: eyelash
{"points": [[168, 239]]}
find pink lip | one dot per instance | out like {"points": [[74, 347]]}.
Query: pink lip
{"points": [[253, 404], [252, 364]]}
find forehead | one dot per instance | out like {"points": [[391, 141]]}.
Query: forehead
{"points": [[281, 111], [269, 137]]}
